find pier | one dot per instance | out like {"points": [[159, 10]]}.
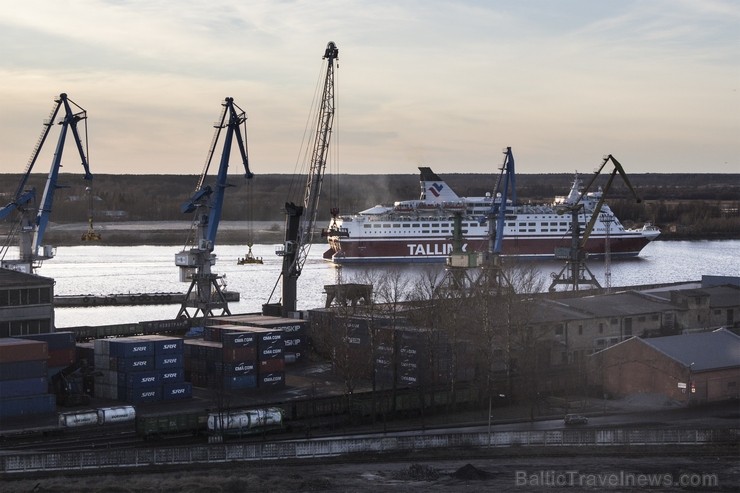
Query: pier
{"points": [[128, 299]]}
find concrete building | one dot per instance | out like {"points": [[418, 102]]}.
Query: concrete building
{"points": [[688, 368], [26, 304]]}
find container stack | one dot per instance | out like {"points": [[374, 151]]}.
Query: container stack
{"points": [[24, 388], [295, 331], [62, 350], [228, 365], [236, 357], [141, 369]]}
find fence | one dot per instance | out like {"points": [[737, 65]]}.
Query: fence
{"points": [[328, 447]]}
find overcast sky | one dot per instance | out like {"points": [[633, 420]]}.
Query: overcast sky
{"points": [[445, 84]]}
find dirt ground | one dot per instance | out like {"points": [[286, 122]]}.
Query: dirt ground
{"points": [[700, 471]]}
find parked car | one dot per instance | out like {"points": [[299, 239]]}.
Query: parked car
{"points": [[575, 419]]}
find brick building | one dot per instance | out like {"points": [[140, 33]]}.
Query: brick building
{"points": [[689, 368]]}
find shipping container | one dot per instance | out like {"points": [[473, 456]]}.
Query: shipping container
{"points": [[141, 395], [162, 344], [54, 340], [139, 379], [62, 357], [32, 405], [168, 360], [233, 354], [12, 349], [130, 347], [271, 365], [18, 370], [274, 379], [174, 375], [127, 365], [177, 391], [240, 368], [23, 387]]}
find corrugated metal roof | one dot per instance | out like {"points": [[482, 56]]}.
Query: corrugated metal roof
{"points": [[618, 304], [706, 350], [719, 296], [10, 278]]}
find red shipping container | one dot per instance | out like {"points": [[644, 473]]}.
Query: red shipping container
{"points": [[62, 357], [235, 354], [12, 349], [271, 365]]}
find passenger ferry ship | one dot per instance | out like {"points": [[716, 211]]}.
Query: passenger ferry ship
{"points": [[421, 230]]}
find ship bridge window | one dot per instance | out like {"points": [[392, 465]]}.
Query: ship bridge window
{"points": [[406, 225], [415, 225], [425, 225]]}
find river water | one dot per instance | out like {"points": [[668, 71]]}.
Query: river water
{"points": [[97, 269]]}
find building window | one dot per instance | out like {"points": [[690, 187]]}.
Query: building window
{"points": [[559, 330], [601, 328], [580, 330]]}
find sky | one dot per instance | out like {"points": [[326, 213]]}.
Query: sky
{"points": [[444, 84]]}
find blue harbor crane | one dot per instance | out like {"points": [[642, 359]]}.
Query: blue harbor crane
{"points": [[457, 279], [205, 296], [300, 220], [34, 220]]}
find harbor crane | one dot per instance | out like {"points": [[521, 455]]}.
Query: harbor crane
{"points": [[300, 220], [34, 220], [459, 263], [573, 274], [205, 296]]}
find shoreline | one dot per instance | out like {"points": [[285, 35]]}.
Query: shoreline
{"points": [[173, 233]]}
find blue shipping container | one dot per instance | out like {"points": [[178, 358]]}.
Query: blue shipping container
{"points": [[168, 360], [128, 365], [130, 348], [139, 378], [55, 340], [177, 391], [24, 387], [18, 370], [173, 375], [140, 395], [28, 406], [239, 382]]}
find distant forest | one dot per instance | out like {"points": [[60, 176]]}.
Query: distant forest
{"points": [[682, 205]]}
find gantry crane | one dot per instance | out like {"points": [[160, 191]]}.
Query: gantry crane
{"points": [[301, 219], [33, 219], [573, 273], [205, 295]]}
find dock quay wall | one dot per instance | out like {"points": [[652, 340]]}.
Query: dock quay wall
{"points": [[81, 461]]}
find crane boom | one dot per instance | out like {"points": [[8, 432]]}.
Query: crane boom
{"points": [[301, 220]]}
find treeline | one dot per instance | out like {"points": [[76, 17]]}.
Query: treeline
{"points": [[681, 204]]}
